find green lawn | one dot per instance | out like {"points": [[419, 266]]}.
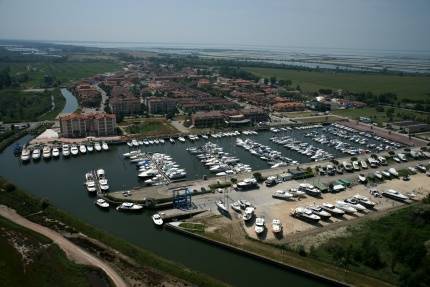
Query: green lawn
{"points": [[49, 266], [410, 87], [379, 117], [151, 127]]}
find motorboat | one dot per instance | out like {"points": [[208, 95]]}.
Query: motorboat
{"points": [[129, 206], [171, 140], [356, 165], [135, 143], [271, 181], [386, 173], [102, 203], [156, 218], [345, 207], [364, 201], [259, 225], [393, 194], [355, 203], [247, 183], [65, 149], [382, 160], [97, 146], [248, 213], [129, 144], [412, 170], [276, 226], [378, 174], [55, 152], [421, 168], [25, 155], [363, 164], [90, 182], [393, 172], [396, 159], [236, 206], [347, 166], [46, 152], [103, 182], [309, 189], [35, 155], [74, 150], [244, 204], [282, 194], [90, 148], [148, 173], [297, 193], [305, 214], [105, 146], [221, 206], [362, 178], [333, 210], [181, 139], [82, 149], [318, 210]]}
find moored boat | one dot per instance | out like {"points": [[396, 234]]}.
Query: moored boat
{"points": [[102, 203], [130, 207], [156, 218]]}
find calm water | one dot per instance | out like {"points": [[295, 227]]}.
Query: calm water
{"points": [[71, 101]]}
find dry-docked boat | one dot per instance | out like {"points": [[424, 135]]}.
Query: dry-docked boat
{"points": [[259, 225], [305, 214], [276, 226], [393, 194], [333, 210]]}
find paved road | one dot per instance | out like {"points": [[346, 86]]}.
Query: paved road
{"points": [[72, 251]]}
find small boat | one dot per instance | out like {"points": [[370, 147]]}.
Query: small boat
{"points": [[181, 139], [90, 148], [354, 203], [97, 146], [129, 144], [65, 149], [276, 226], [103, 182], [82, 149], [282, 194], [46, 152], [55, 152], [378, 174], [393, 172], [247, 183], [171, 140], [129, 206], [90, 182], [364, 201], [297, 193], [74, 150], [105, 146], [221, 206], [35, 155], [386, 174], [134, 143], [333, 210], [356, 165], [102, 203], [236, 206], [364, 164], [318, 210], [25, 155], [305, 214], [248, 214], [259, 225], [421, 168], [393, 194], [345, 207], [362, 178], [156, 218]]}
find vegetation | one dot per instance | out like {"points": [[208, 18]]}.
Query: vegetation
{"points": [[219, 185], [393, 248], [150, 127], [25, 204], [48, 266], [193, 227], [406, 87]]}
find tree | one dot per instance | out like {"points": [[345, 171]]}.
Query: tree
{"points": [[390, 112]]}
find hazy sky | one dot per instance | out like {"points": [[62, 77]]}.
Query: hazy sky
{"points": [[374, 24]]}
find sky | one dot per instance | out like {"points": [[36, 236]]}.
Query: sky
{"points": [[357, 24]]}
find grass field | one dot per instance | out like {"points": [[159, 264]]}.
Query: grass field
{"points": [[49, 266], [64, 72], [406, 87], [151, 127], [380, 117]]}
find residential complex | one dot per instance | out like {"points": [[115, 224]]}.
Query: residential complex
{"points": [[79, 125]]}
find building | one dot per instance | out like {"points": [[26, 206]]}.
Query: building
{"points": [[88, 96], [158, 105], [288, 107], [79, 125], [123, 103], [256, 115], [208, 119], [410, 127]]}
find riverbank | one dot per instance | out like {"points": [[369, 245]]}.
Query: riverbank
{"points": [[149, 267]]}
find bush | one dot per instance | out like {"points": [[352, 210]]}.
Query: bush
{"points": [[233, 180], [258, 176], [9, 187]]}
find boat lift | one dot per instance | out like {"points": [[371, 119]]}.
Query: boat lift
{"points": [[182, 199]]}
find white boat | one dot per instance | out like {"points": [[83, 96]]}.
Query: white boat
{"points": [[25, 155], [259, 225], [74, 150], [55, 152], [90, 148], [356, 165], [305, 214], [236, 206], [378, 174], [103, 182], [134, 143], [171, 140], [129, 144], [46, 152], [345, 207], [181, 139], [393, 194], [386, 174], [65, 149], [333, 210], [102, 203], [35, 155], [362, 178], [82, 149], [90, 182], [248, 213], [247, 183], [297, 193], [129, 206], [393, 172], [148, 173], [318, 210], [105, 146], [156, 218], [221, 206], [276, 226], [97, 146], [363, 164], [364, 201], [282, 194], [355, 203]]}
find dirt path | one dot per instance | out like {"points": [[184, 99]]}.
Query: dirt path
{"points": [[72, 251]]}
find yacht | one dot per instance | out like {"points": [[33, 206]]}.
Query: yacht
{"points": [[55, 152], [248, 214], [103, 182], [102, 203], [65, 149], [259, 225], [364, 201], [356, 165], [318, 210], [46, 152], [276, 226], [305, 214], [134, 143], [364, 164], [171, 140], [393, 172], [393, 194], [181, 139], [221, 206], [156, 218], [25, 155], [378, 174], [236, 206], [297, 193], [347, 166], [333, 210], [386, 174], [82, 149], [310, 189], [161, 141], [247, 183], [421, 168], [129, 206], [355, 203], [362, 178], [282, 194], [90, 182], [90, 148], [105, 146], [345, 207], [74, 150], [35, 155], [148, 173], [97, 146]]}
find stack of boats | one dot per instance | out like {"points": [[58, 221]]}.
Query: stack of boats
{"points": [[217, 161], [304, 148], [47, 152], [146, 142], [273, 157]]}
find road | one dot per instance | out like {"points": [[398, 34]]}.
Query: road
{"points": [[73, 252]]}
